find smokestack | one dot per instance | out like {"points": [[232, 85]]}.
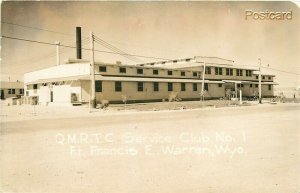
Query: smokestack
{"points": [[78, 43]]}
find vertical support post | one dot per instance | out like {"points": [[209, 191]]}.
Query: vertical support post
{"points": [[203, 79], [235, 90], [259, 82], [57, 53], [241, 96], [92, 73]]}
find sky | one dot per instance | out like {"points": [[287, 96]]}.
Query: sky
{"points": [[170, 30]]}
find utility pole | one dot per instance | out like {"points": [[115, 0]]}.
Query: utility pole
{"points": [[203, 79], [259, 82], [92, 73], [57, 53]]}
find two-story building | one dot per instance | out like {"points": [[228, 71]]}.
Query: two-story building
{"points": [[70, 82], [11, 89]]}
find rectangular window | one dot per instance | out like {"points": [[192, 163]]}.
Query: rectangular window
{"points": [[207, 70], [239, 72], [98, 86], [229, 72], [118, 86], [182, 86], [13, 91], [195, 88], [170, 86], [155, 72], [122, 70], [242, 85], [9, 91], [256, 77], [155, 86], [256, 85], [206, 86], [182, 73], [170, 73], [218, 71], [248, 73], [195, 74], [102, 68], [220, 85], [250, 85], [263, 77], [35, 86], [139, 71], [270, 87], [269, 77], [140, 86], [21, 91]]}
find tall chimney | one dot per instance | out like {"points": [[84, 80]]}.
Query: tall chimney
{"points": [[78, 43]]}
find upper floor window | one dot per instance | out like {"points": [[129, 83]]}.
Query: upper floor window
{"points": [[208, 70], [263, 77], [218, 71], [11, 91], [195, 74], [102, 68], [122, 70], [229, 72], [182, 73], [139, 71], [239, 72], [269, 77], [170, 72], [155, 72], [248, 73], [21, 91], [256, 77], [35, 86]]}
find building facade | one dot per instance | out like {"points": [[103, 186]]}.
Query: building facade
{"points": [[69, 83], [11, 89]]}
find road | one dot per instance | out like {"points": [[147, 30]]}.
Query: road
{"points": [[242, 149]]}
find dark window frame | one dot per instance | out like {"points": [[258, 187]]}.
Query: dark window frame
{"points": [[170, 86], [102, 69], [140, 86], [98, 86], [118, 86], [182, 86], [155, 72], [140, 71], [170, 73], [195, 87], [182, 73], [155, 86], [122, 70]]}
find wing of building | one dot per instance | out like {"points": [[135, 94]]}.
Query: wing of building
{"points": [[11, 89], [70, 82]]}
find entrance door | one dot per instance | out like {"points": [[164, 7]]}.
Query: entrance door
{"points": [[2, 94]]}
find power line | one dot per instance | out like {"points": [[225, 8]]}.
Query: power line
{"points": [[36, 28], [101, 51]]}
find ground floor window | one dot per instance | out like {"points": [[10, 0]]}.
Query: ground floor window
{"points": [[140, 86], [220, 85], [170, 86], [118, 86], [35, 86], [98, 86], [21, 91], [256, 85], [270, 87], [155, 86], [250, 85], [195, 88], [206, 86], [182, 86]]}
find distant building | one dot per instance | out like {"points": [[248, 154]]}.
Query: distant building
{"points": [[11, 89], [70, 82]]}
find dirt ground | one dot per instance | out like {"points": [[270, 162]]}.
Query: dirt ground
{"points": [[245, 149]]}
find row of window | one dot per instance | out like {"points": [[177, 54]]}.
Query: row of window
{"points": [[141, 71], [13, 91], [140, 86], [229, 71], [263, 77]]}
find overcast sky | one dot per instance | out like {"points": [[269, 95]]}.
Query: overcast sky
{"points": [[169, 30]]}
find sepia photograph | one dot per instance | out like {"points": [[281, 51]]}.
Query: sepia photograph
{"points": [[150, 97]]}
